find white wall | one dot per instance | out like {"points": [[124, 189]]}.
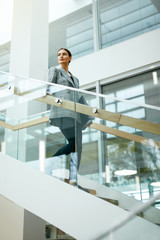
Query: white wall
{"points": [[19, 224], [120, 58]]}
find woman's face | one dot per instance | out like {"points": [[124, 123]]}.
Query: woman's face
{"points": [[63, 57]]}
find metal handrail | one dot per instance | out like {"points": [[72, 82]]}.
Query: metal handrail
{"points": [[86, 92]]}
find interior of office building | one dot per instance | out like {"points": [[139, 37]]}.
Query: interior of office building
{"points": [[116, 57]]}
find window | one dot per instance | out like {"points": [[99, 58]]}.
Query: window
{"points": [[126, 19], [80, 37], [141, 89], [73, 31]]}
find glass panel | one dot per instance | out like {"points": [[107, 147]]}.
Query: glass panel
{"points": [[121, 164], [2, 134], [143, 89], [126, 19], [49, 144], [99, 144], [142, 211], [8, 138]]}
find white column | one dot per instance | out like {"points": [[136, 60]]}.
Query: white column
{"points": [[96, 25], [28, 58], [29, 42]]}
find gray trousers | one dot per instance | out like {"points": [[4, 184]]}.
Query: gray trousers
{"points": [[72, 131]]}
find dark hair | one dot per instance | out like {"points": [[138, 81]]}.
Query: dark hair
{"points": [[69, 53]]}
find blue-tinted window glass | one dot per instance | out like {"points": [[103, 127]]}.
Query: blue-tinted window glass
{"points": [[81, 47], [148, 11], [109, 15], [110, 107], [123, 107], [148, 22], [142, 89], [80, 37], [143, 3], [110, 26], [140, 113], [81, 26], [123, 20], [130, 92], [128, 7]]}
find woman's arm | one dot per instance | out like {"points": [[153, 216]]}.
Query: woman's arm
{"points": [[76, 82], [52, 78]]}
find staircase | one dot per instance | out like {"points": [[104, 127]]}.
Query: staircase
{"points": [[90, 210], [75, 212]]}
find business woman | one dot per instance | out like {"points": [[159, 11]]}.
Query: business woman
{"points": [[69, 122]]}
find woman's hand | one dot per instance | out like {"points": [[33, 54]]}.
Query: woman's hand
{"points": [[47, 94], [88, 124]]}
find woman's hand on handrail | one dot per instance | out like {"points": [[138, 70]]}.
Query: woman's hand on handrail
{"points": [[47, 94]]}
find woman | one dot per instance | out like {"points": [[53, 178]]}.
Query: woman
{"points": [[67, 121]]}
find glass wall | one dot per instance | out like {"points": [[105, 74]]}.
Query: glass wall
{"points": [[80, 37], [105, 157], [118, 21], [143, 89], [89, 162], [121, 20], [117, 154]]}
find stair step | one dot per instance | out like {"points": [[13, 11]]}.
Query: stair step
{"points": [[113, 201], [93, 192]]}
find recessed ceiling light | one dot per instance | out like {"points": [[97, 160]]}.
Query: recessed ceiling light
{"points": [[125, 172], [155, 184]]}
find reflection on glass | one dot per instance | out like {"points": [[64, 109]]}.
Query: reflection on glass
{"points": [[120, 154], [80, 37], [155, 78], [125, 19], [103, 154]]}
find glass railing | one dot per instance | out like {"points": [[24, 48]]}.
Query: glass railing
{"points": [[123, 151], [123, 225], [113, 142]]}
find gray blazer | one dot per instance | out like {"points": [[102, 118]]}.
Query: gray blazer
{"points": [[60, 76]]}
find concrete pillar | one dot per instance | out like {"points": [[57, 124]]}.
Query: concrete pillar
{"points": [[28, 58], [29, 44]]}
